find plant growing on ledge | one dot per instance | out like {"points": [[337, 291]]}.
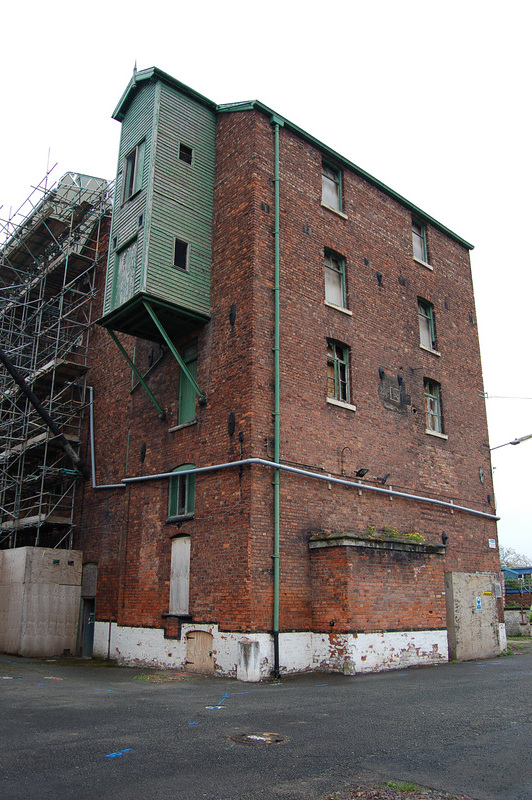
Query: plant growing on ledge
{"points": [[393, 533]]}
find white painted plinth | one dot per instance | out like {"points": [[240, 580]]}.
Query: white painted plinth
{"points": [[251, 658]]}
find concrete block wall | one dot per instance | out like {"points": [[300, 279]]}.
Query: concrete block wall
{"points": [[40, 591]]}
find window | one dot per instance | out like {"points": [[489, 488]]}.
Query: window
{"points": [[179, 575], [433, 415], [133, 166], [185, 153], [334, 279], [187, 393], [181, 254], [419, 241], [337, 371], [427, 333], [331, 186], [124, 273], [181, 493]]}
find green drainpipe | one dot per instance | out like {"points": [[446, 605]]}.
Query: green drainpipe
{"points": [[277, 123]]}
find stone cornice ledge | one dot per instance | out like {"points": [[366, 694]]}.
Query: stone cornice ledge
{"points": [[347, 539]]}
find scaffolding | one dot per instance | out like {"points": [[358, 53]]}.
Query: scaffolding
{"points": [[49, 251]]}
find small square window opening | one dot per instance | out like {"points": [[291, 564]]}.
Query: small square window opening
{"points": [[337, 371], [181, 254], [185, 153], [331, 186], [334, 279]]}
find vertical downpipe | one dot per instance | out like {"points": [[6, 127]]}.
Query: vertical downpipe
{"points": [[277, 123]]}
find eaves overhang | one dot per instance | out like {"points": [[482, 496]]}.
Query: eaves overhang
{"points": [[250, 105], [154, 74]]}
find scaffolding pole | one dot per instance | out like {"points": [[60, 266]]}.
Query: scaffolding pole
{"points": [[50, 248]]}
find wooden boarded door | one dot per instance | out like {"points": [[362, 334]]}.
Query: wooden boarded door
{"points": [[199, 653]]}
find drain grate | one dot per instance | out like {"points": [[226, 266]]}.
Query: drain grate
{"points": [[258, 738]]}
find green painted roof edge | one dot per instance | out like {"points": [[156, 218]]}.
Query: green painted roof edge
{"points": [[418, 212], [153, 73]]}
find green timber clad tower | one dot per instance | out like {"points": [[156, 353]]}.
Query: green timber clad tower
{"points": [[160, 245]]}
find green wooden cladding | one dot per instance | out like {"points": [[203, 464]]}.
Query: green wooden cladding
{"points": [[168, 137]]}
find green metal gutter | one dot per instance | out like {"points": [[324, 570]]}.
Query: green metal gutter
{"points": [[277, 123]]}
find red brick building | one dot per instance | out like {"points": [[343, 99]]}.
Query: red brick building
{"points": [[307, 366]]}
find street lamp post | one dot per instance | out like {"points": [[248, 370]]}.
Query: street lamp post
{"points": [[514, 441]]}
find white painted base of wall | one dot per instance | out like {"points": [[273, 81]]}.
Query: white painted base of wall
{"points": [[249, 657]]}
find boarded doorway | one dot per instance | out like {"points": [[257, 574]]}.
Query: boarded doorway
{"points": [[199, 653]]}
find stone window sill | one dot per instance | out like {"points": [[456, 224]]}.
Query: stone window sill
{"points": [[423, 263], [430, 350], [183, 425], [335, 211], [341, 404], [436, 434], [338, 308]]}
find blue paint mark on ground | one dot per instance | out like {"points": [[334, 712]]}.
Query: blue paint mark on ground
{"points": [[119, 753]]}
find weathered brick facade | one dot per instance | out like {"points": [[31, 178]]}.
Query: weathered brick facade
{"points": [[340, 575]]}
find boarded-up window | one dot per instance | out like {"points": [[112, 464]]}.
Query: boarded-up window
{"points": [[180, 575], [334, 279], [331, 187], [125, 267]]}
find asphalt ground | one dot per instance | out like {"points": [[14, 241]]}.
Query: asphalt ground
{"points": [[85, 731]]}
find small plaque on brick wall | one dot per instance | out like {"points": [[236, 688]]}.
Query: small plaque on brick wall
{"points": [[393, 397]]}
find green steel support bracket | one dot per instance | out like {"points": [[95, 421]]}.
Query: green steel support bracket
{"points": [[162, 412], [172, 349]]}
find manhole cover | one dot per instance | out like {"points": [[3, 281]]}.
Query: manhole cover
{"points": [[258, 738]]}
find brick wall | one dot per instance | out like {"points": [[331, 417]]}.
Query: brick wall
{"points": [[125, 530]]}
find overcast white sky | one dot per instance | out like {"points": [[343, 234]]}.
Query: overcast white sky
{"points": [[432, 98]]}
